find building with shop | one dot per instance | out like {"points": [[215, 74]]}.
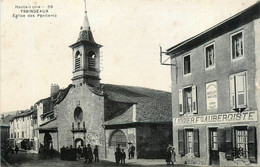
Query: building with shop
{"points": [[22, 129], [89, 112], [215, 77]]}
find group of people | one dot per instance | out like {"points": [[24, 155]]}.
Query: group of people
{"points": [[45, 152], [12, 149], [72, 154], [170, 155], [120, 155]]}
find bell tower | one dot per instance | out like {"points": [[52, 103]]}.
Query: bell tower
{"points": [[86, 57]]}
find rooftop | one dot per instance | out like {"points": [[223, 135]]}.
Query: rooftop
{"points": [[151, 105]]}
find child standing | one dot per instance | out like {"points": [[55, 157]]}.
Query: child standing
{"points": [[123, 156]]}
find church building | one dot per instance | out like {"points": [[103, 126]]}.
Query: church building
{"points": [[89, 112]]}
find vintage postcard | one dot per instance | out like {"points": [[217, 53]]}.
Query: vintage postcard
{"points": [[130, 82]]}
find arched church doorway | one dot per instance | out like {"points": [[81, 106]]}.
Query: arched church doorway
{"points": [[118, 137], [47, 140], [78, 142]]}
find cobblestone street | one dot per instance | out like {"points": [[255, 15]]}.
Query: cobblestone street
{"points": [[23, 159]]}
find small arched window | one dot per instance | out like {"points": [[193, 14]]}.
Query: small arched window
{"points": [[91, 61], [77, 60], [118, 137], [78, 114]]}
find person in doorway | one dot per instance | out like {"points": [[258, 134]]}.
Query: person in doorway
{"points": [[123, 157], [96, 154], [78, 151], [16, 149]]}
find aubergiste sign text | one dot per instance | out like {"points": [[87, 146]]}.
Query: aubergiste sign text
{"points": [[246, 116]]}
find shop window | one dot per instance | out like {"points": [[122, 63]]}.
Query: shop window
{"points": [[77, 60], [238, 91], [188, 142], [240, 142], [188, 100], [118, 137], [186, 65], [210, 56], [91, 61], [237, 45]]}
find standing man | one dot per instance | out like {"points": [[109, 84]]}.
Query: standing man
{"points": [[16, 149], [89, 154], [133, 151], [85, 154], [96, 154]]}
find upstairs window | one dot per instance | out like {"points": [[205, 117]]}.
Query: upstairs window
{"points": [[188, 100], [210, 55], [77, 60], [237, 45], [186, 65], [238, 91], [91, 61]]}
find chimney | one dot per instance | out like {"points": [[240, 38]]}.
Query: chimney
{"points": [[2, 116], [134, 113], [54, 89]]}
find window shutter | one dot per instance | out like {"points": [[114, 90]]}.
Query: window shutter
{"points": [[252, 152], [221, 140], [196, 143], [232, 91], [180, 102], [241, 90], [181, 141], [194, 100], [229, 144]]}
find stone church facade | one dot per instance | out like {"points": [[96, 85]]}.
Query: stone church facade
{"points": [[89, 112]]}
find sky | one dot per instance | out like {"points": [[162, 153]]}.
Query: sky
{"points": [[35, 52]]}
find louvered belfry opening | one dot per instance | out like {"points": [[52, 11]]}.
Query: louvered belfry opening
{"points": [[91, 61], [77, 60]]}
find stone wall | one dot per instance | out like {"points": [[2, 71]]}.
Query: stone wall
{"points": [[92, 106]]}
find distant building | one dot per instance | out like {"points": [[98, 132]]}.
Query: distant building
{"points": [[5, 127], [89, 112], [22, 129], [215, 83]]}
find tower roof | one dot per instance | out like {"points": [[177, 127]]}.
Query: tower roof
{"points": [[85, 33]]}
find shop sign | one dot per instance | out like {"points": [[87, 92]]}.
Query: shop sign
{"points": [[245, 116], [211, 96]]}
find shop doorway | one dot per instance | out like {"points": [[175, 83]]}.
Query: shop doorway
{"points": [[213, 146]]}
